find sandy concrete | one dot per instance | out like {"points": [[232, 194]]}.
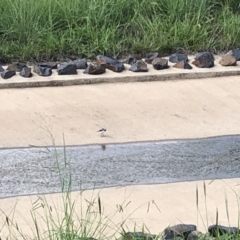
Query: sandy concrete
{"points": [[130, 112], [155, 205], [126, 76]]}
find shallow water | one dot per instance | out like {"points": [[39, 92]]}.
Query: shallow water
{"points": [[36, 170]]}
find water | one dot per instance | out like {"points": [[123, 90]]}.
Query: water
{"points": [[36, 170]]}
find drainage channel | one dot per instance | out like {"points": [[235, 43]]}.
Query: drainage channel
{"points": [[36, 170]]}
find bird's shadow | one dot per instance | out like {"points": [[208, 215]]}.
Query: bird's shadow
{"points": [[106, 136]]}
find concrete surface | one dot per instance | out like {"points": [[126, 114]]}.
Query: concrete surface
{"points": [[125, 76], [129, 111], [157, 206]]}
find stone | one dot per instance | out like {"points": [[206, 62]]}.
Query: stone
{"points": [[16, 67], [150, 56], [7, 74], [178, 57], [160, 63], [26, 72], [137, 236], [228, 60], [235, 53], [204, 60], [52, 65], [138, 66], [67, 69], [42, 70], [1, 69], [131, 58], [175, 238], [216, 230], [95, 69], [110, 63], [194, 235], [81, 63], [183, 65], [179, 230]]}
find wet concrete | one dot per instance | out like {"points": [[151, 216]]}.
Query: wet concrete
{"points": [[40, 170]]}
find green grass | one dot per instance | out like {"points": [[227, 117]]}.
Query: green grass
{"points": [[52, 29]]}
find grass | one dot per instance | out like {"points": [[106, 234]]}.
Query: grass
{"points": [[54, 29]]}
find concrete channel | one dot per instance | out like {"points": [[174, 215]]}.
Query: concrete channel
{"points": [[36, 170]]}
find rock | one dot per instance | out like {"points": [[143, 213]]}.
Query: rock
{"points": [[95, 69], [26, 72], [150, 56], [42, 70], [81, 63], [132, 58], [204, 60], [52, 65], [236, 53], [7, 74], [178, 57], [179, 230], [1, 69], [138, 66], [110, 63], [175, 238], [67, 69], [137, 236], [16, 67], [194, 235], [160, 63], [228, 60], [183, 65], [216, 230]]}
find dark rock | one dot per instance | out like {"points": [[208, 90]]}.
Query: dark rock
{"points": [[175, 238], [132, 58], [26, 72], [216, 230], [236, 53], [80, 63], [1, 69], [150, 56], [194, 235], [160, 63], [7, 74], [16, 67], [138, 66], [95, 69], [52, 65], [228, 60], [204, 60], [183, 65], [67, 69], [110, 63], [137, 236], [178, 57], [181, 230], [42, 71]]}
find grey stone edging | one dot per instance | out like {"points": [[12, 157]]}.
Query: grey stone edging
{"points": [[125, 76], [116, 79]]}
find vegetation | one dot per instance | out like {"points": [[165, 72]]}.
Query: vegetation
{"points": [[52, 29]]}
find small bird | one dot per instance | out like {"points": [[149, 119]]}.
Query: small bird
{"points": [[102, 131]]}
